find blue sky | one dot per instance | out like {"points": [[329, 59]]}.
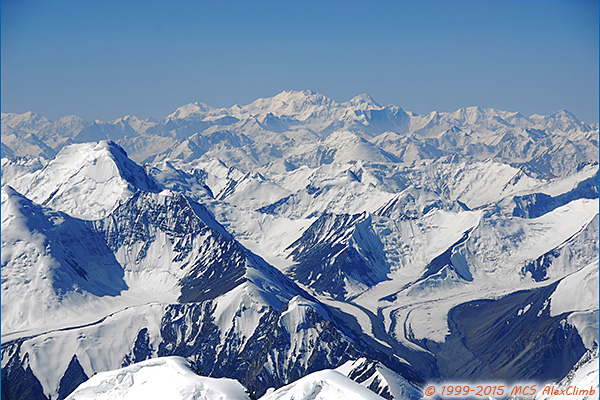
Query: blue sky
{"points": [[105, 59]]}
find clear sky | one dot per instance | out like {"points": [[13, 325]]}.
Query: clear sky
{"points": [[105, 59]]}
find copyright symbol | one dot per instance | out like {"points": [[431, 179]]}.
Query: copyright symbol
{"points": [[430, 391]]}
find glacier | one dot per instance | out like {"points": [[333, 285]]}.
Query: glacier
{"points": [[300, 246]]}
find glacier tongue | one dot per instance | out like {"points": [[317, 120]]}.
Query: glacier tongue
{"points": [[177, 264], [294, 234]]}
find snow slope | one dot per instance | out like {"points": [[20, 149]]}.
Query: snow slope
{"points": [[159, 378], [322, 385], [53, 267], [380, 379], [577, 294], [297, 233], [86, 180], [175, 264]]}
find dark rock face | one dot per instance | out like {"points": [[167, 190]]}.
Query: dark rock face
{"points": [[537, 204], [139, 219], [219, 262], [364, 372], [580, 249], [250, 361], [142, 350], [336, 248], [19, 382], [223, 272], [504, 339], [445, 260], [195, 322], [73, 377], [539, 267]]}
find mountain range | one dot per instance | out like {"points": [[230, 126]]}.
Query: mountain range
{"points": [[298, 245]]}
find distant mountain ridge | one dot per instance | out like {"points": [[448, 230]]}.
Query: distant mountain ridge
{"points": [[274, 242], [282, 127]]}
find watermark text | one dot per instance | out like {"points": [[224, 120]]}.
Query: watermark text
{"points": [[523, 390]]}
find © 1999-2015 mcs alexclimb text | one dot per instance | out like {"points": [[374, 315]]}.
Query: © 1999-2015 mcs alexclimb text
{"points": [[523, 390]]}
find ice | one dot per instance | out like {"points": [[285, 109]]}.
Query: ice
{"points": [[578, 295], [160, 378], [96, 248], [322, 385]]}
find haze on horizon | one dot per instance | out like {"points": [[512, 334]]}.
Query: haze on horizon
{"points": [[108, 59]]}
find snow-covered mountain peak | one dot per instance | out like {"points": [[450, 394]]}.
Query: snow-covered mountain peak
{"points": [[160, 378], [364, 101], [383, 229], [27, 120], [12, 204], [564, 121], [346, 146], [470, 115], [52, 264], [15, 117], [323, 385], [128, 119], [71, 120], [140, 125], [87, 180], [8, 192], [564, 114], [299, 105], [189, 110], [302, 96]]}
